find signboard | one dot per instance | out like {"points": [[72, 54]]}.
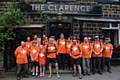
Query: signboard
{"points": [[62, 8]]}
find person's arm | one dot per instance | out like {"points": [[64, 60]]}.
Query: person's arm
{"points": [[81, 47], [56, 49], [71, 50], [111, 50], [30, 55], [37, 55], [16, 52], [101, 48], [80, 50], [92, 48]]}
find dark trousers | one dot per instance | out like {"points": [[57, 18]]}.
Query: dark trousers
{"points": [[68, 61], [107, 63], [62, 60], [102, 64], [21, 70], [96, 65]]}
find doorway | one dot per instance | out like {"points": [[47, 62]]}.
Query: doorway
{"points": [[21, 34], [113, 34], [56, 28]]}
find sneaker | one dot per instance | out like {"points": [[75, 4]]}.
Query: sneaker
{"points": [[43, 74], [36, 74], [80, 77], [84, 74], [40, 74], [50, 76], [109, 71], [33, 74], [74, 74], [58, 76], [18, 78], [100, 73], [88, 74], [25, 76]]}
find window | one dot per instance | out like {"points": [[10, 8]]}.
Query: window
{"points": [[108, 1], [59, 0], [115, 0]]}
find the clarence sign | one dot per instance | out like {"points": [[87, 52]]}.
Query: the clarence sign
{"points": [[62, 8]]}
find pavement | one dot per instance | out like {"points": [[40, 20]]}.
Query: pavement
{"points": [[115, 75]]}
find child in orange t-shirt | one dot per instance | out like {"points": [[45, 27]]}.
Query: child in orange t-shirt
{"points": [[42, 60], [34, 52]]}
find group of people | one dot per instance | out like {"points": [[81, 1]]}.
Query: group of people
{"points": [[82, 57]]}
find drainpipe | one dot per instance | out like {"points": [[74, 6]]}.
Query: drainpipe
{"points": [[119, 34]]}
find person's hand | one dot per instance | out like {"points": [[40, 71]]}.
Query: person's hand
{"points": [[57, 53]]}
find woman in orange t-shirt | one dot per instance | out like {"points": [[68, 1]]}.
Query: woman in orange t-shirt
{"points": [[42, 60]]}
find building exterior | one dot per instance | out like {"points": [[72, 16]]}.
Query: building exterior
{"points": [[71, 17], [74, 17]]}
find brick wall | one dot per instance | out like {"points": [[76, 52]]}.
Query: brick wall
{"points": [[111, 11], [91, 29]]}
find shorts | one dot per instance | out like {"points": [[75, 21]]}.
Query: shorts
{"points": [[76, 61], [34, 63], [51, 60]]}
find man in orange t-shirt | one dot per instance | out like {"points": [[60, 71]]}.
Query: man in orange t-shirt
{"points": [[97, 48], [61, 46], [34, 52], [21, 54], [28, 43], [107, 54], [51, 50], [86, 55], [37, 39], [45, 41], [76, 55]]}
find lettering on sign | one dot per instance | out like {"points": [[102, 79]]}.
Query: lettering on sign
{"points": [[62, 8]]}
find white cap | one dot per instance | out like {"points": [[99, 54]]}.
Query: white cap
{"points": [[85, 38]]}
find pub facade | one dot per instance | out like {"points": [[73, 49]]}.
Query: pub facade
{"points": [[71, 17]]}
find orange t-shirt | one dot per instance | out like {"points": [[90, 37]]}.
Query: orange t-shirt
{"points": [[55, 42], [107, 50], [38, 43], [78, 41], [45, 43], [28, 44], [21, 55], [42, 57], [34, 51], [62, 46], [85, 48], [97, 46], [68, 46], [51, 51], [75, 51]]}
